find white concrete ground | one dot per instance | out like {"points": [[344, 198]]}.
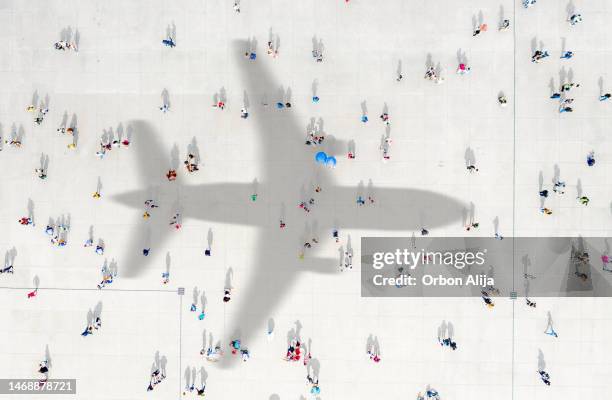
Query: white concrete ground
{"points": [[118, 76]]}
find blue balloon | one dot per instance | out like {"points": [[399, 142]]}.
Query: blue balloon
{"points": [[321, 157]]}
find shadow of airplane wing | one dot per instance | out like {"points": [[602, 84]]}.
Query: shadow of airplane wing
{"points": [[399, 209], [287, 162], [152, 164], [286, 171]]}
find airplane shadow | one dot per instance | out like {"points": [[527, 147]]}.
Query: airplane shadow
{"points": [[288, 168]]}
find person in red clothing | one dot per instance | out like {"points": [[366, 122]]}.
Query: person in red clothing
{"points": [[26, 221]]}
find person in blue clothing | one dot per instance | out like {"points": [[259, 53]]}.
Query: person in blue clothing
{"points": [[169, 42], [591, 159], [87, 331], [432, 394], [545, 377]]}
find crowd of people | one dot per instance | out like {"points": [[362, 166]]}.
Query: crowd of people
{"points": [[297, 352]]}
